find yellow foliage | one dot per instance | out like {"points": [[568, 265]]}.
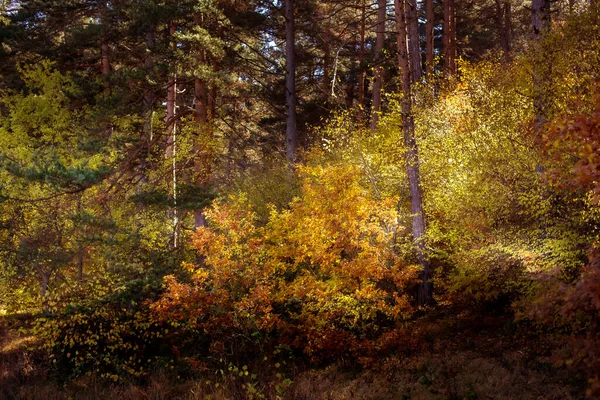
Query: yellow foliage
{"points": [[323, 271]]}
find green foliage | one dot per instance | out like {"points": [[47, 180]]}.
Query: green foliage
{"points": [[317, 257], [115, 341]]}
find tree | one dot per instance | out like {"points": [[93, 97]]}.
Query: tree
{"points": [[504, 25], [540, 21], [408, 73], [429, 35], [414, 40], [449, 37], [291, 135], [379, 57]]}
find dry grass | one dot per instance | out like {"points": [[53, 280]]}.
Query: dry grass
{"points": [[456, 360], [462, 375]]}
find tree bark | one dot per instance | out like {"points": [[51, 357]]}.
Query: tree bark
{"points": [[504, 26], [170, 111], [212, 95], [326, 54], [170, 151], [412, 155], [414, 49], [361, 66], [105, 64], [201, 157], [291, 134], [148, 102], [449, 37], [540, 18], [148, 95], [429, 13], [378, 72], [104, 48]]}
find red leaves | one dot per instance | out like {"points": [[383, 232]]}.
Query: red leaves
{"points": [[572, 144]]}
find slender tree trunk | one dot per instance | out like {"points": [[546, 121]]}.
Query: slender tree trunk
{"points": [[212, 94], [449, 37], [350, 91], [508, 27], [503, 23], [412, 156], [171, 149], [105, 64], [414, 49], [104, 48], [170, 111], [378, 73], [540, 18], [326, 55], [361, 64], [201, 96], [202, 156], [148, 108], [429, 36], [148, 95], [291, 134]]}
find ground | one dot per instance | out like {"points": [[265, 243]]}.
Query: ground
{"points": [[455, 356]]}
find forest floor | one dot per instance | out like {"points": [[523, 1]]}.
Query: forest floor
{"points": [[465, 356]]}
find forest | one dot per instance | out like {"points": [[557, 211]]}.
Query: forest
{"points": [[311, 199]]}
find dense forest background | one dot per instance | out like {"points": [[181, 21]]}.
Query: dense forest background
{"points": [[311, 199]]}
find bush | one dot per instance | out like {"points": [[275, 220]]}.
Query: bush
{"points": [[322, 276]]}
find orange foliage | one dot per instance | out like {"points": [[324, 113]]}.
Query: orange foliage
{"points": [[323, 274]]}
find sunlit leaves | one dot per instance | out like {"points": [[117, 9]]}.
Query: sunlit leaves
{"points": [[325, 267]]}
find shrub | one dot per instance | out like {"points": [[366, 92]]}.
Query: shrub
{"points": [[322, 275]]}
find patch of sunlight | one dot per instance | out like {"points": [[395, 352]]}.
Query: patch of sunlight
{"points": [[17, 343]]}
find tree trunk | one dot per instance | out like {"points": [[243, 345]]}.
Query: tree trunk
{"points": [[148, 101], [414, 49], [412, 155], [201, 155], [507, 28], [449, 37], [104, 48], [148, 95], [540, 18], [361, 66], [105, 65], [105, 61], [291, 134], [212, 95], [504, 26], [429, 36], [378, 72], [171, 149], [326, 55]]}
